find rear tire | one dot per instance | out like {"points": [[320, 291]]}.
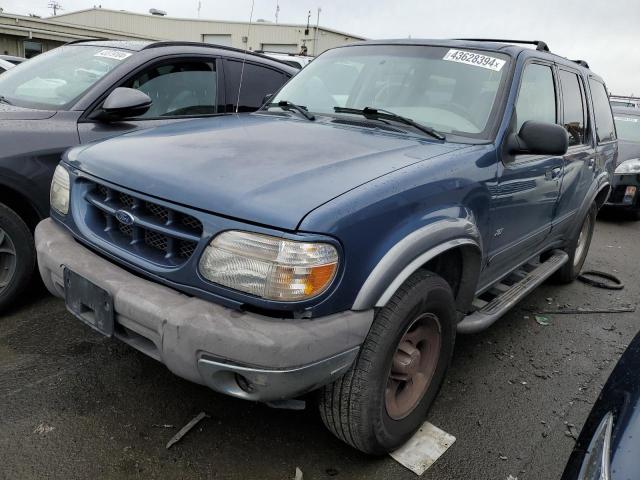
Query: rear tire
{"points": [[17, 256], [578, 249], [384, 398]]}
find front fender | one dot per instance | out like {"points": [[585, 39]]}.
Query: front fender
{"points": [[418, 248]]}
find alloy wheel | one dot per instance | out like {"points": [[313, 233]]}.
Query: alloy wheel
{"points": [[7, 260]]}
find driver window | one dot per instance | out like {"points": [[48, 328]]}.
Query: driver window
{"points": [[181, 88], [537, 97]]}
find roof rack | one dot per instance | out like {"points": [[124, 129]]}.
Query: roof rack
{"points": [[540, 45], [582, 63], [623, 97]]}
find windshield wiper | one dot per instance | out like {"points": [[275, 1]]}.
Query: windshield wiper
{"points": [[379, 113], [3, 99], [290, 106]]}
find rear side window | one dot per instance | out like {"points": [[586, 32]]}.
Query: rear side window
{"points": [[573, 108], [537, 97], [605, 129], [257, 82]]}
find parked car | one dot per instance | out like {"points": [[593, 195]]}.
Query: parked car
{"points": [[4, 65], [392, 194], [12, 59], [630, 102], [626, 181], [88, 91], [607, 447], [298, 61]]}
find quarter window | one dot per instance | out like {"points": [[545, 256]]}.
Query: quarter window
{"points": [[182, 88], [537, 97], [573, 108], [256, 81], [605, 128]]}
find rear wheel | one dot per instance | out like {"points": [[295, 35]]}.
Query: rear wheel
{"points": [[17, 256], [578, 249], [384, 398]]}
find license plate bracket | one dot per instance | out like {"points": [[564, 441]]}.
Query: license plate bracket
{"points": [[89, 303]]}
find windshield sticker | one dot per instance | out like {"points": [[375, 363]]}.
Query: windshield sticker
{"points": [[475, 59], [114, 54], [627, 119]]}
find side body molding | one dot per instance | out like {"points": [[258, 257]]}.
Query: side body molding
{"points": [[418, 248]]}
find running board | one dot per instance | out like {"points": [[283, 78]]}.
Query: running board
{"points": [[525, 279]]}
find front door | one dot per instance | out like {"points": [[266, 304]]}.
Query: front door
{"points": [[525, 198]]}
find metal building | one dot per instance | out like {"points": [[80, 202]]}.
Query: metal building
{"points": [[260, 35]]}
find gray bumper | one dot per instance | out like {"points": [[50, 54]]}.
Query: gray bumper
{"points": [[242, 354]]}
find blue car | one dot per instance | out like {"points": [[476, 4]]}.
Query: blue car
{"points": [[607, 448], [389, 196]]}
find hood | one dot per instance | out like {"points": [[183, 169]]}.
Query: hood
{"points": [[11, 112], [259, 168], [627, 150]]}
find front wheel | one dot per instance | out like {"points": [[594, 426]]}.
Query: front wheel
{"points": [[578, 249], [17, 256], [384, 398]]}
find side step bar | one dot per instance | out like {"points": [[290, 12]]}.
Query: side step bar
{"points": [[527, 278]]}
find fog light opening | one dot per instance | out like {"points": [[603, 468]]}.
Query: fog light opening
{"points": [[244, 384]]}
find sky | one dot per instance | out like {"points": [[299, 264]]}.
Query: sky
{"points": [[604, 33]]}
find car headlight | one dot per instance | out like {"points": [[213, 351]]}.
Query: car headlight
{"points": [[60, 186], [597, 460], [269, 267], [629, 167]]}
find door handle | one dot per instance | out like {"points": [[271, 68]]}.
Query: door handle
{"points": [[552, 173]]}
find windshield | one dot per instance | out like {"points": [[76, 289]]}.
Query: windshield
{"points": [[628, 127], [450, 90], [53, 80]]}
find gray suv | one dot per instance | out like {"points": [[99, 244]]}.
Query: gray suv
{"points": [[87, 91]]}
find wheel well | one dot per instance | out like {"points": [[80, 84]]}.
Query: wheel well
{"points": [[448, 265], [602, 196], [21, 205]]}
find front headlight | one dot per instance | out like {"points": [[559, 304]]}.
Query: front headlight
{"points": [[269, 267], [629, 167], [597, 460], [59, 195]]}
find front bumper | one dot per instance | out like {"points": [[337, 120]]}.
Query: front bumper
{"points": [[625, 191], [242, 354]]}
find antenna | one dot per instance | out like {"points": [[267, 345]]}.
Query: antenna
{"points": [[55, 6], [316, 37], [244, 58], [277, 10], [199, 7]]}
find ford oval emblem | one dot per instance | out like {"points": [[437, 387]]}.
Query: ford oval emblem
{"points": [[125, 217]]}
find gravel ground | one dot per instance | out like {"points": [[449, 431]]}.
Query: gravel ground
{"points": [[75, 405]]}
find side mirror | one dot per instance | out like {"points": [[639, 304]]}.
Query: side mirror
{"points": [[539, 138], [123, 103], [266, 98]]}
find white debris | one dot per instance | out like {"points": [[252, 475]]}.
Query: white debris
{"points": [[184, 430], [299, 475], [43, 429], [423, 449]]}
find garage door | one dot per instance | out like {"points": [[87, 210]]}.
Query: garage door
{"points": [[280, 47], [224, 40]]}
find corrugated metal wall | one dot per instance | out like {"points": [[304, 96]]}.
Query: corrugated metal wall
{"points": [[193, 30]]}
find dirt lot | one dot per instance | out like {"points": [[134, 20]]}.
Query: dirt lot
{"points": [[75, 405]]}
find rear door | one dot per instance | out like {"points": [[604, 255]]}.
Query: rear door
{"points": [[181, 88], [579, 162], [524, 201]]}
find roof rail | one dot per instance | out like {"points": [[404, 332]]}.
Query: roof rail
{"points": [[540, 45], [623, 97], [80, 40], [582, 63]]}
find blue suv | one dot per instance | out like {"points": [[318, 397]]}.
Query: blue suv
{"points": [[389, 196]]}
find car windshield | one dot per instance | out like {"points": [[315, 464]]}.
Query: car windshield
{"points": [[450, 90], [53, 80], [628, 127]]}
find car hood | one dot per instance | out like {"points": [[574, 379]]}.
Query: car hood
{"points": [[11, 112], [259, 168]]}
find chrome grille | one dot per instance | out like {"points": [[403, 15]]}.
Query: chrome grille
{"points": [[158, 233]]}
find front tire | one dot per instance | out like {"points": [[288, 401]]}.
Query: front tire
{"points": [[17, 256], [578, 249], [384, 398]]}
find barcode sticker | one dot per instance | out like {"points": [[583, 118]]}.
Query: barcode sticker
{"points": [[113, 54]]}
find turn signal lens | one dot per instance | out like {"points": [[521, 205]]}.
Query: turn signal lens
{"points": [[270, 267]]}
